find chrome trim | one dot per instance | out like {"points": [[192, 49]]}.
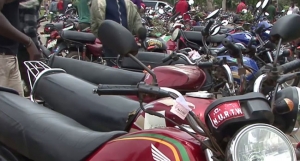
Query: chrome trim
{"points": [[46, 71], [186, 58], [208, 154], [258, 82]]}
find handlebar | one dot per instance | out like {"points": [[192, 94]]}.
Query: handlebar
{"points": [[205, 31], [290, 66], [105, 89], [234, 50]]}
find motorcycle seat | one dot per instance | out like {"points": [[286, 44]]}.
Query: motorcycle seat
{"points": [[81, 37], [152, 59], [96, 73], [58, 26], [41, 134], [74, 98], [196, 37], [198, 28], [217, 38]]}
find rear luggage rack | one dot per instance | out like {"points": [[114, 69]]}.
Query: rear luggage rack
{"points": [[36, 69]]}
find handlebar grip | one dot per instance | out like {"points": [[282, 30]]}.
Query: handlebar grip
{"points": [[205, 64], [233, 49], [290, 66], [205, 31], [259, 29], [105, 89]]}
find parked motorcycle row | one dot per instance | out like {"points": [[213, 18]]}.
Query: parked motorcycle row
{"points": [[159, 105]]}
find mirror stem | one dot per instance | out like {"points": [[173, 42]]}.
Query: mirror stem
{"points": [[277, 52], [154, 80]]}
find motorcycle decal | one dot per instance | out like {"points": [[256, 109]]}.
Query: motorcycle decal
{"points": [[158, 155], [178, 150], [152, 121], [224, 112]]}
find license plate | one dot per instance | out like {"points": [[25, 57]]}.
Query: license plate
{"points": [[225, 112], [45, 35], [51, 44]]}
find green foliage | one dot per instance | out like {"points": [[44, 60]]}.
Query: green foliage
{"points": [[248, 17]]}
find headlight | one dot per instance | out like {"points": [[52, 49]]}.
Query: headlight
{"points": [[260, 142]]}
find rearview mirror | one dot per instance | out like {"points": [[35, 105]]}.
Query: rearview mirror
{"points": [[69, 5], [117, 38], [258, 4], [213, 14], [264, 4], [266, 14], [175, 34], [215, 30], [160, 11], [225, 22]]}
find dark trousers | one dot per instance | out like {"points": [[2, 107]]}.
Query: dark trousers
{"points": [[24, 56]]}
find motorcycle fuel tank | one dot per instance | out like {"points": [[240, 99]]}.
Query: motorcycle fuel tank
{"points": [[179, 77], [157, 144], [248, 62], [144, 121]]}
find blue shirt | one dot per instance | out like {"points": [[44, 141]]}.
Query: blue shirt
{"points": [[116, 12]]}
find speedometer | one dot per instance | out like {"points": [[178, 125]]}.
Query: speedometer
{"points": [[260, 142]]}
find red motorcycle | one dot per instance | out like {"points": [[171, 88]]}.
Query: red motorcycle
{"points": [[43, 134]]}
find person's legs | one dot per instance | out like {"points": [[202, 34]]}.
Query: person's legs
{"points": [[24, 56], [9, 73]]}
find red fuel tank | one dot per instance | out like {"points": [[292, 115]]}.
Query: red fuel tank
{"points": [[169, 144], [145, 121], [179, 77]]}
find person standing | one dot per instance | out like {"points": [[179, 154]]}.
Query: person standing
{"points": [[84, 14], [53, 7], [241, 6], [60, 6], [294, 8], [10, 37], [182, 6], [137, 3], [271, 10], [120, 11], [28, 15]]}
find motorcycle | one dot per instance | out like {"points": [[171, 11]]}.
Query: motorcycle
{"points": [[46, 135]]}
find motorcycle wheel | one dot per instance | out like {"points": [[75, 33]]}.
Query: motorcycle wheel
{"points": [[74, 55]]}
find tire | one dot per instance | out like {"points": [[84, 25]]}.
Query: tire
{"points": [[74, 55]]}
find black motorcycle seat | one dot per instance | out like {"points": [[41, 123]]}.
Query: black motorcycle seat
{"points": [[217, 38], [96, 73], [58, 26], [41, 134], [196, 37], [81, 37], [198, 28], [152, 59], [74, 98]]}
